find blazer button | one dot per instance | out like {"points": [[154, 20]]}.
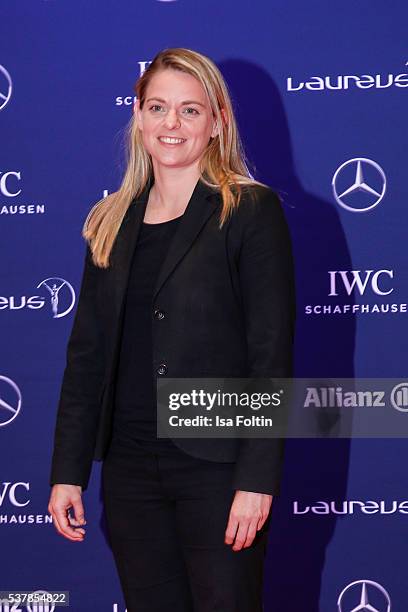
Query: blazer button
{"points": [[159, 314], [162, 369]]}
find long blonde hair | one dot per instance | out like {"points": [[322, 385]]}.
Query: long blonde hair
{"points": [[222, 165]]}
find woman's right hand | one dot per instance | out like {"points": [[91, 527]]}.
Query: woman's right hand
{"points": [[63, 497]]}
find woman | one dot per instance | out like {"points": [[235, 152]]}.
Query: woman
{"points": [[188, 273]]}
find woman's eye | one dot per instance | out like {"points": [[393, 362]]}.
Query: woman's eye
{"points": [[159, 106]]}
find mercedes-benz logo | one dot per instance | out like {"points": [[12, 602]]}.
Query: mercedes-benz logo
{"points": [[9, 409], [359, 595], [6, 87], [349, 180], [54, 288]]}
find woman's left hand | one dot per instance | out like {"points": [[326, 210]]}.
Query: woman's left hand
{"points": [[248, 513]]}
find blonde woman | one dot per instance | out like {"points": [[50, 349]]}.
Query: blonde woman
{"points": [[188, 273]]}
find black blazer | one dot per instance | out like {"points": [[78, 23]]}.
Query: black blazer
{"points": [[228, 299]]}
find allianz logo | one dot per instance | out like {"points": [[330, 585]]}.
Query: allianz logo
{"points": [[349, 81], [352, 507]]}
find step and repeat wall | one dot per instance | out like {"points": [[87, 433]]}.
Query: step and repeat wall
{"points": [[320, 93]]}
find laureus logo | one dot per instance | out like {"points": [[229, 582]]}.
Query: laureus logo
{"points": [[343, 82], [54, 286], [61, 298]]}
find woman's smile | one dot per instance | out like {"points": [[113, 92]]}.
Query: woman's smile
{"points": [[167, 140]]}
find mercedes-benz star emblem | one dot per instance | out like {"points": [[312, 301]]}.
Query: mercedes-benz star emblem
{"points": [[9, 408], [349, 182], [6, 87], [357, 593]]}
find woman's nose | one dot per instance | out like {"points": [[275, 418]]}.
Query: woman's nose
{"points": [[172, 119]]}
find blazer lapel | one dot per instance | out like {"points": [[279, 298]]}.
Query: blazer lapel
{"points": [[124, 246], [202, 204]]}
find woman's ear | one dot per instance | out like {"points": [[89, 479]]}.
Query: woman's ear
{"points": [[216, 128]]}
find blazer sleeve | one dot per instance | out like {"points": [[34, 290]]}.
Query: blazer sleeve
{"points": [[267, 280], [79, 402]]}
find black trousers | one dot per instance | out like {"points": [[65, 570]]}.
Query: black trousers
{"points": [[166, 514]]}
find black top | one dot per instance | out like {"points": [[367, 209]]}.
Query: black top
{"points": [[135, 399]]}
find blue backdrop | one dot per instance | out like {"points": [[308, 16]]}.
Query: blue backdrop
{"points": [[320, 92]]}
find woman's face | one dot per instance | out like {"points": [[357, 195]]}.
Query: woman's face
{"points": [[175, 107]]}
